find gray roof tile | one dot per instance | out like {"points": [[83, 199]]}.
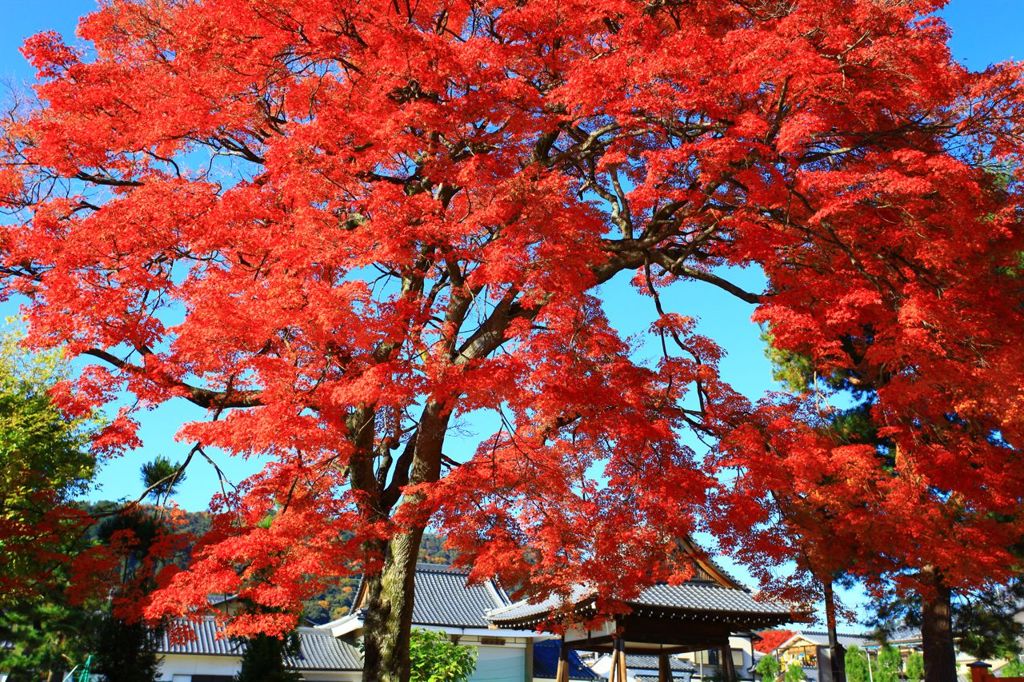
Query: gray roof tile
{"points": [[645, 662], [444, 598], [690, 596], [318, 650]]}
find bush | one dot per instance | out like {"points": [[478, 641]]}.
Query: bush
{"points": [[435, 658]]}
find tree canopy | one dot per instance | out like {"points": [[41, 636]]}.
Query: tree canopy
{"points": [[349, 225]]}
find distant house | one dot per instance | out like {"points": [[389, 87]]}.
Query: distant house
{"points": [[810, 650]]}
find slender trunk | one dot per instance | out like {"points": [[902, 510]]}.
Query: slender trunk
{"points": [[937, 628], [837, 654]]}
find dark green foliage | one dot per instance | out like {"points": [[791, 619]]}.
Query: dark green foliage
{"points": [[161, 478], [125, 652], [46, 634], [983, 620], [264, 660], [44, 464], [432, 550], [435, 658]]}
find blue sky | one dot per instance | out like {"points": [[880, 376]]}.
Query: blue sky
{"points": [[984, 31]]}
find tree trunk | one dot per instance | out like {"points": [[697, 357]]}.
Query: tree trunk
{"points": [[937, 628], [837, 654], [390, 595], [389, 602]]}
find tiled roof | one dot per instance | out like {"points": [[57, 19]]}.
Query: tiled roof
{"points": [[524, 609], [845, 639], [444, 598], [318, 650], [707, 597], [204, 640], [644, 662], [690, 596]]}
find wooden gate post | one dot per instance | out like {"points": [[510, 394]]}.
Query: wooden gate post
{"points": [[979, 671], [664, 668], [562, 675], [618, 671]]}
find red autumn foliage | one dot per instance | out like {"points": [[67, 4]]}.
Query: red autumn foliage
{"points": [[771, 639], [341, 227]]}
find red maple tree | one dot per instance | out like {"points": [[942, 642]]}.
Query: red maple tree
{"points": [[340, 226]]}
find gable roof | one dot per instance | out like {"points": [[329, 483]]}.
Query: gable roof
{"points": [[318, 650], [710, 589]]}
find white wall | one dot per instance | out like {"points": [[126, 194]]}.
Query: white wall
{"points": [[177, 666], [499, 664], [181, 667]]}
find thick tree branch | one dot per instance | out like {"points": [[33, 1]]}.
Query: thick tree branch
{"points": [[203, 397]]}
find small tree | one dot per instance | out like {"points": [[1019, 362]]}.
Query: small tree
{"points": [[889, 664], [795, 673], [435, 658], [915, 667], [161, 477], [768, 668], [856, 665], [264, 659]]}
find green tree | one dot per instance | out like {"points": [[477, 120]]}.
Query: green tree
{"points": [[435, 658], [889, 663], [264, 659], [915, 667], [795, 673], [856, 665], [768, 668], [45, 463]]}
